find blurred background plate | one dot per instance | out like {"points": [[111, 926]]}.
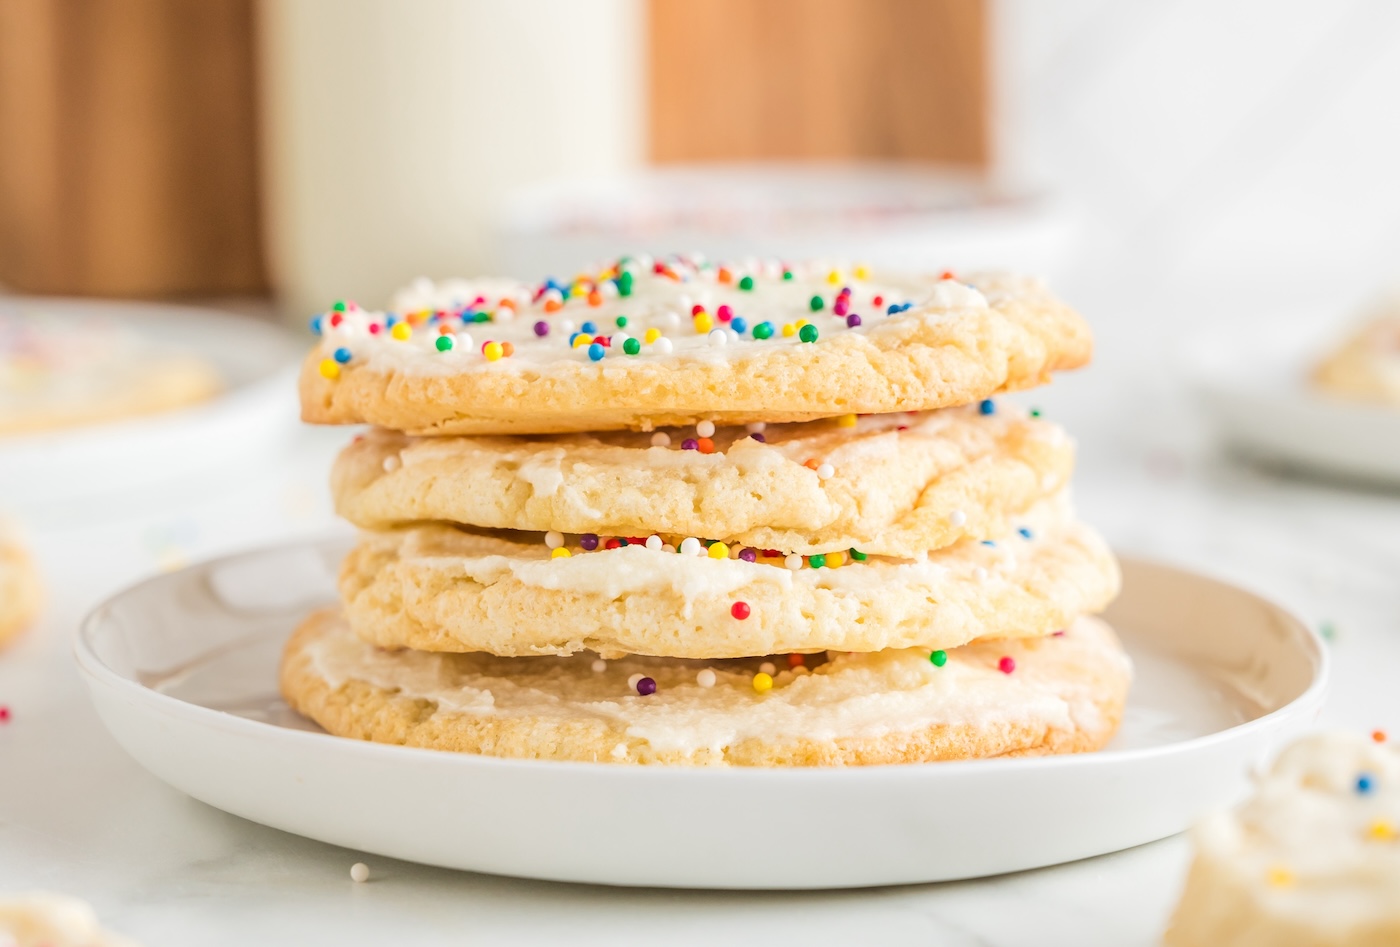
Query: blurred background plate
{"points": [[252, 419], [183, 671]]}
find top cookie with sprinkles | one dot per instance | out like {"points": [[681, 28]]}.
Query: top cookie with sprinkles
{"points": [[645, 343]]}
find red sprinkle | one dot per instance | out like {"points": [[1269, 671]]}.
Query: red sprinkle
{"points": [[4, 714], [796, 660], [1007, 664], [740, 610], [613, 543], [696, 309]]}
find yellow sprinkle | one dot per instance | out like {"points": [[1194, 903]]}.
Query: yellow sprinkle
{"points": [[1382, 830], [560, 553], [801, 322], [651, 335], [719, 551], [582, 339], [1280, 877], [861, 272], [846, 420], [492, 351], [703, 322], [833, 277], [330, 368], [835, 560], [789, 330], [401, 331], [762, 682]]}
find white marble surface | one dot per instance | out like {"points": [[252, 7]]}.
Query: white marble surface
{"points": [[78, 816]]}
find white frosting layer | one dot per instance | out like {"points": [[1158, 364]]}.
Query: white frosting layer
{"points": [[660, 301], [851, 696], [1313, 857]]}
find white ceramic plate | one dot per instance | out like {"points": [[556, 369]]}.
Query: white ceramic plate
{"points": [[253, 417], [182, 670], [1256, 396]]}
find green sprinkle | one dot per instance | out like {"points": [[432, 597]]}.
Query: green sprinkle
{"points": [[763, 330], [339, 306], [808, 333], [621, 322], [1035, 412], [817, 561], [1327, 630], [482, 317], [787, 274], [443, 343], [746, 283], [817, 303], [939, 658], [624, 283], [858, 556], [632, 346]]}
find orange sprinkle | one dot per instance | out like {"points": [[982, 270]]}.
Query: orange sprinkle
{"points": [[725, 276], [552, 305], [705, 445], [595, 298], [796, 660], [507, 304], [444, 329], [811, 463], [507, 350], [1378, 736]]}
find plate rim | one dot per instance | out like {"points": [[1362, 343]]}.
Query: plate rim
{"points": [[97, 673]]}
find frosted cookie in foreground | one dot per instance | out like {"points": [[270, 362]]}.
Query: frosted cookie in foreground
{"points": [[443, 588], [52, 920], [64, 372], [1367, 366], [1312, 860], [644, 344], [1062, 694], [20, 589], [889, 485]]}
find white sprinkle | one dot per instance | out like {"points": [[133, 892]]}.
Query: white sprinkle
{"points": [[826, 472], [552, 295], [599, 665], [668, 548], [793, 562], [554, 539], [392, 463], [608, 289], [755, 428], [705, 429], [644, 262], [359, 872], [618, 338], [662, 345], [671, 320], [957, 518], [685, 302], [619, 752], [690, 546], [632, 681], [717, 337], [566, 326], [654, 543], [661, 439], [503, 314], [705, 678], [463, 341], [980, 574], [768, 667]]}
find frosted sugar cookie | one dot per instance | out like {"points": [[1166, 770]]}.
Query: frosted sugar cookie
{"points": [[1367, 366], [896, 485], [20, 589], [1061, 694], [644, 344], [62, 372], [440, 588], [52, 920], [1312, 860]]}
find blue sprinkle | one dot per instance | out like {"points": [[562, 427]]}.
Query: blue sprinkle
{"points": [[988, 407], [390, 320], [343, 356], [891, 309], [596, 352], [1365, 783], [988, 542], [552, 283], [589, 327], [571, 339], [316, 324], [738, 324], [1025, 533]]}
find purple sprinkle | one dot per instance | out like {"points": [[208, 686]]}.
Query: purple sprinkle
{"points": [[748, 555], [690, 443], [589, 541], [852, 321], [759, 437], [541, 329], [646, 687]]}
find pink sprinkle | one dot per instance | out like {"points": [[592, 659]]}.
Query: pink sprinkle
{"points": [[1007, 664], [4, 714]]}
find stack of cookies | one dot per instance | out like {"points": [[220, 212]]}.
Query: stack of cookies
{"points": [[680, 512]]}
